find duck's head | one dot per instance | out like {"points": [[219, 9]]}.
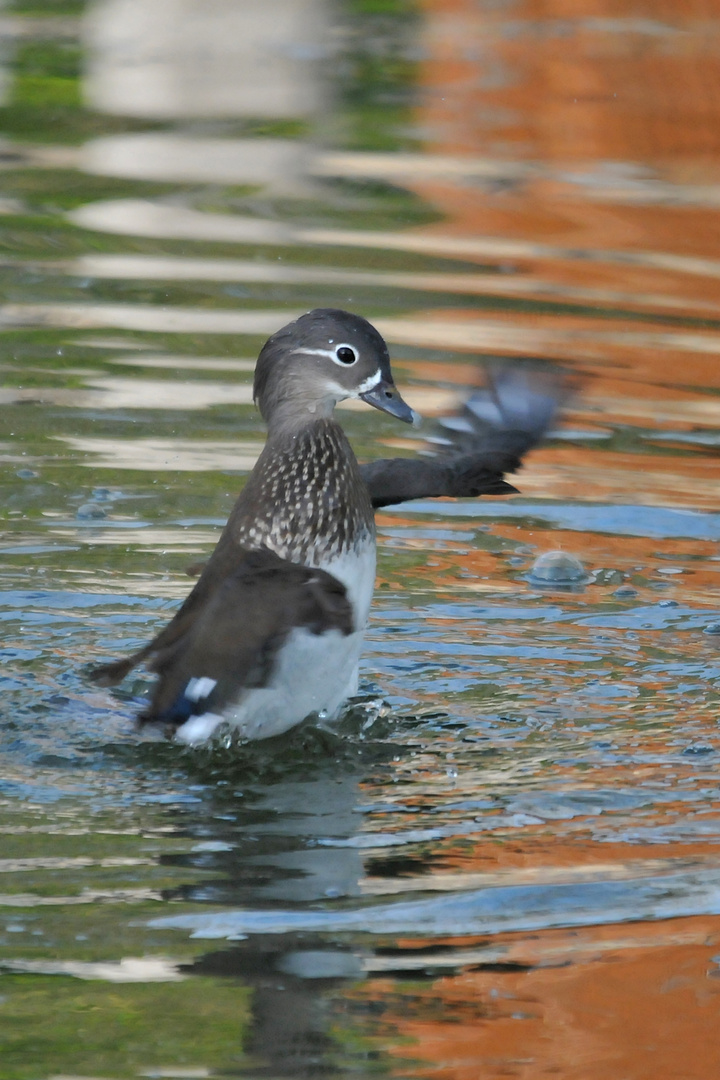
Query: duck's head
{"points": [[324, 357]]}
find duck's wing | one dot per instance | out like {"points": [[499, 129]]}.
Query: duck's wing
{"points": [[489, 437], [226, 636], [226, 560]]}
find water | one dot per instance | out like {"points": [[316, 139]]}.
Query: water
{"points": [[506, 860]]}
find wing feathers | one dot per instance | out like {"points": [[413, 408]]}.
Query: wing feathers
{"points": [[234, 640], [495, 428]]}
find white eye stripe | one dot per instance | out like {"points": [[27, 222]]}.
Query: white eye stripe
{"points": [[316, 352], [370, 383], [332, 354]]}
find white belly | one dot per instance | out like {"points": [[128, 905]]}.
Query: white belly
{"points": [[356, 571], [314, 673]]}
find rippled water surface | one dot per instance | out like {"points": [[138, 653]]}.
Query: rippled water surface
{"points": [[505, 861]]}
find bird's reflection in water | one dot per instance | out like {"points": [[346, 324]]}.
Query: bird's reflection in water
{"points": [[267, 814], [292, 1014]]}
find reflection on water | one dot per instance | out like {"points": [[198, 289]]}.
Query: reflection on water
{"points": [[505, 860]]}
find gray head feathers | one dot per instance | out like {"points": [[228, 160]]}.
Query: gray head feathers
{"points": [[323, 357]]}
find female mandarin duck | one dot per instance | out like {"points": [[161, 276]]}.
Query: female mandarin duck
{"points": [[272, 631]]}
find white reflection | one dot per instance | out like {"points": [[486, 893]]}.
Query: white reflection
{"points": [[205, 58], [130, 969], [277, 164], [177, 455], [147, 317], [185, 363], [548, 338], [87, 896], [158, 268], [131, 393], [141, 217], [60, 862], [168, 268], [128, 393]]}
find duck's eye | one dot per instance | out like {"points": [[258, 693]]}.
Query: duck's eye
{"points": [[345, 354]]}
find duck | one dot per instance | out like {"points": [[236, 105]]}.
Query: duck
{"points": [[273, 629]]}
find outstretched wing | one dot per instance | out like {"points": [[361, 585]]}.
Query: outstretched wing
{"points": [[489, 437]]}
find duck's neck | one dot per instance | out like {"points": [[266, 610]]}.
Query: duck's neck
{"points": [[305, 498]]}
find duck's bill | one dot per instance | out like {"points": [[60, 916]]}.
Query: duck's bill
{"points": [[384, 396]]}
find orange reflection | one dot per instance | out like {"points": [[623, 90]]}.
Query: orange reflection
{"points": [[622, 1002], [571, 133], [616, 101]]}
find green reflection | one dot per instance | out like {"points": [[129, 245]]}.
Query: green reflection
{"points": [[96, 1029], [379, 75], [40, 8]]}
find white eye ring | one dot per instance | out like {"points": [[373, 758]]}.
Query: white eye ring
{"points": [[345, 355]]}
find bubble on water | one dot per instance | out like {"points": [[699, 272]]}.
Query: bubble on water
{"points": [[89, 511], [625, 592], [26, 474], [712, 628], [557, 569]]}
